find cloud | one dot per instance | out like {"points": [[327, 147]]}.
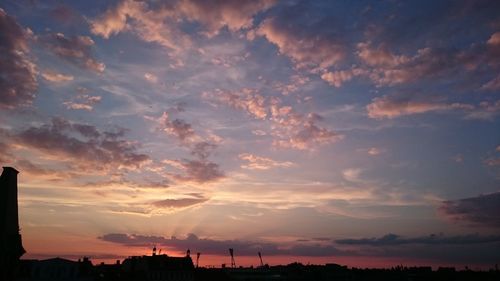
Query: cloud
{"points": [[385, 68], [53, 76], [379, 56], [351, 175], [302, 132], [433, 239], [493, 84], [81, 147], [261, 163], [160, 24], [392, 107], [337, 78], [248, 100], [202, 150], [492, 162], [83, 101], [485, 111], [178, 128], [259, 132], [179, 203], [75, 49], [494, 40], [296, 81], [199, 171], [17, 73], [373, 151], [303, 44], [220, 247], [290, 129], [216, 14], [481, 210], [151, 77]]}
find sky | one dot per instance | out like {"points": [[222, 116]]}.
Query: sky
{"points": [[354, 132]]}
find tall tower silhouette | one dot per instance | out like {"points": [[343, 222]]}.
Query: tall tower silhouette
{"points": [[11, 246]]}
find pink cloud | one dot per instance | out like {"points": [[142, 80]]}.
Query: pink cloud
{"points": [[248, 100], [216, 14]]}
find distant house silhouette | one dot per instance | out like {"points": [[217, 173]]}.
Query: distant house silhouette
{"points": [[11, 246]]}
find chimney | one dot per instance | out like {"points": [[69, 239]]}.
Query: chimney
{"points": [[11, 247]]}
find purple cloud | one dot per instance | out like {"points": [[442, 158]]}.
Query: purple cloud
{"points": [[17, 73], [481, 210]]}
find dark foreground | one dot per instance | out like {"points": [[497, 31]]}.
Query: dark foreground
{"points": [[163, 267]]}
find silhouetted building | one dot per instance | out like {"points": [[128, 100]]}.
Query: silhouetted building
{"points": [[57, 269], [158, 267], [11, 247]]}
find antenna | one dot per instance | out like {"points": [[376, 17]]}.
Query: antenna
{"points": [[260, 257], [231, 252], [197, 259], [154, 250], [188, 253]]}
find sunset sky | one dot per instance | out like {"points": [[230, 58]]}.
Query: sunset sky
{"points": [[364, 133]]}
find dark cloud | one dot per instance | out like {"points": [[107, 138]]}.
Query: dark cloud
{"points": [[433, 239], [220, 247], [301, 36], [75, 49], [481, 210], [468, 249], [203, 149], [82, 145], [200, 171], [17, 73], [180, 128]]}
